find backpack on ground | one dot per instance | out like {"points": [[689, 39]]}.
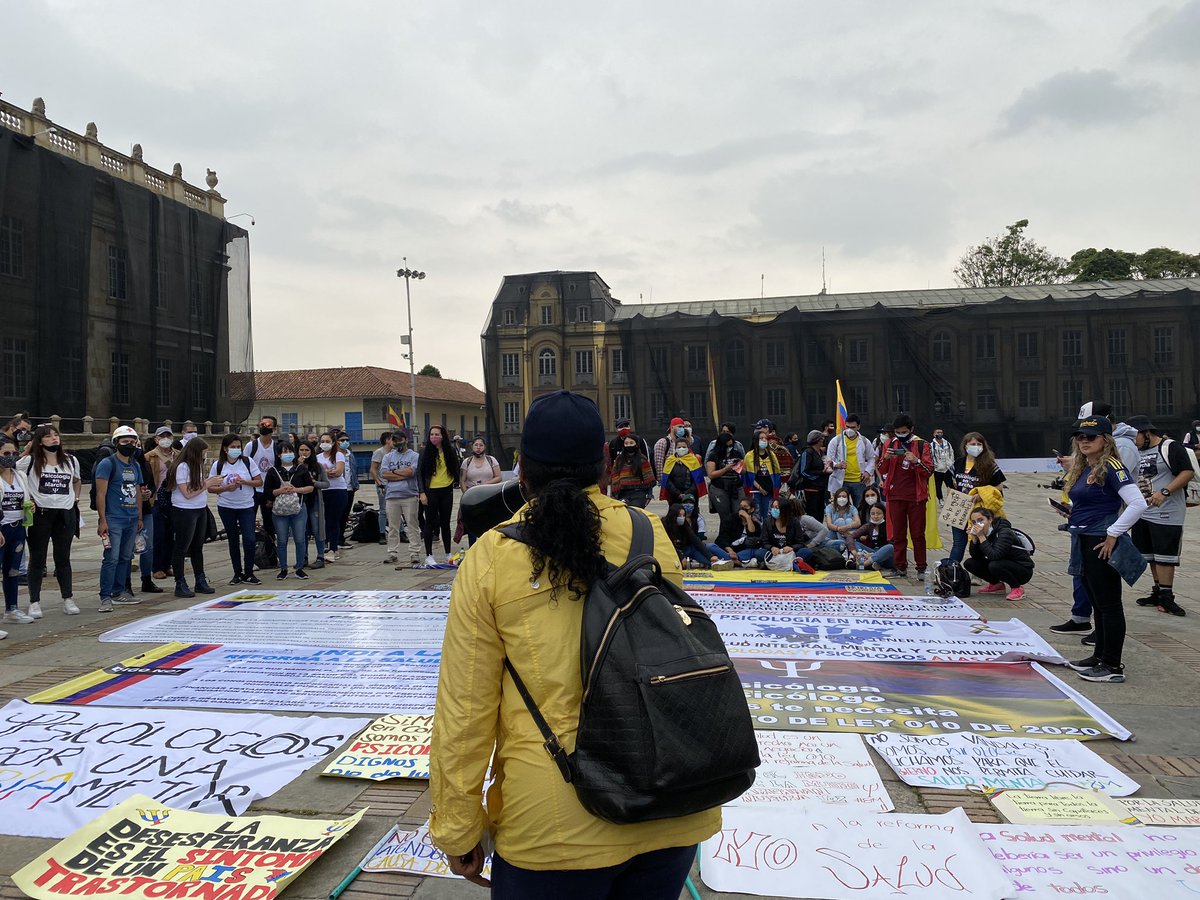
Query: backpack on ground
{"points": [[265, 554], [366, 531], [827, 558], [950, 579], [664, 730], [1192, 488]]}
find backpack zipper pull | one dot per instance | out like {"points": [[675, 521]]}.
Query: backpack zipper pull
{"points": [[687, 620]]}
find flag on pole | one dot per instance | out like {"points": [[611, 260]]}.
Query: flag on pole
{"points": [[393, 419], [841, 407]]}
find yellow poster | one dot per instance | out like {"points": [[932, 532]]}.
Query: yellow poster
{"points": [[1057, 807], [395, 746], [141, 849]]}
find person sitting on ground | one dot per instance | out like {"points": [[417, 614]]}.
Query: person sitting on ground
{"points": [[744, 536], [842, 519], [871, 543], [997, 555], [693, 552]]}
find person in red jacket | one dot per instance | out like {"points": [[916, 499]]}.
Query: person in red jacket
{"points": [[906, 462]]}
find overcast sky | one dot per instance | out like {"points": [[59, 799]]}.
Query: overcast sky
{"points": [[679, 148]]}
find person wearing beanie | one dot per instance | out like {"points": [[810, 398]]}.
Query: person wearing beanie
{"points": [[522, 601], [808, 478]]}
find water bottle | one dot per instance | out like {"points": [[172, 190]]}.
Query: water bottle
{"points": [[929, 582], [139, 542], [27, 513], [106, 541], [862, 563]]}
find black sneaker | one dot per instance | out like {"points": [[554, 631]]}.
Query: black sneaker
{"points": [[300, 573], [1103, 673], [236, 579], [203, 587], [404, 537], [1082, 665], [282, 575], [319, 564], [921, 572], [149, 587], [250, 579], [1168, 605], [1070, 626], [182, 589], [1151, 600], [1089, 640]]}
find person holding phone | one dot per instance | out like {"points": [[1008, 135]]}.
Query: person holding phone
{"points": [[906, 465]]}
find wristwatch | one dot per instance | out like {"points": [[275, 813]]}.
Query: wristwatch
{"points": [[1166, 492]]}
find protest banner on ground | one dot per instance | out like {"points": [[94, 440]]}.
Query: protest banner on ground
{"points": [[832, 770], [395, 746], [1163, 811], [956, 508], [259, 628], [773, 851], [337, 601], [309, 679], [61, 765], [1053, 861], [411, 851], [992, 699], [142, 849], [796, 603], [899, 640], [764, 581], [1058, 807], [954, 761]]}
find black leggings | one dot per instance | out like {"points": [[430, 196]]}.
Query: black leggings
{"points": [[191, 526], [57, 525], [1103, 586], [437, 515], [999, 571]]}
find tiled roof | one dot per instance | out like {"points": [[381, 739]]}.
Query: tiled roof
{"points": [[353, 381]]}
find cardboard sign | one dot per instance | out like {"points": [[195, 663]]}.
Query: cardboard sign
{"points": [[769, 851], [412, 852], [1163, 811], [390, 747], [831, 770], [956, 509], [61, 765], [1057, 807], [955, 761], [142, 849]]}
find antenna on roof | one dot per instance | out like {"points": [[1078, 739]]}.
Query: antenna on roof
{"points": [[761, 285], [823, 289]]}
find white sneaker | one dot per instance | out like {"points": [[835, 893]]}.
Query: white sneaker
{"points": [[3, 635], [430, 561], [330, 556], [16, 617], [722, 564], [70, 608], [35, 610]]}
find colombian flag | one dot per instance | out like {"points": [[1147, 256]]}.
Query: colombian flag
{"points": [[841, 407], [393, 419]]}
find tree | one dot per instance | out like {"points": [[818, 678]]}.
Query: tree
{"points": [[431, 370], [1009, 259], [1163, 262], [1096, 265]]}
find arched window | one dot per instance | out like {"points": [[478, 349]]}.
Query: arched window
{"points": [[547, 363], [735, 355], [943, 348]]}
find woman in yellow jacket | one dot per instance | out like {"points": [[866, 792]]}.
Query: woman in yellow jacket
{"points": [[524, 602]]}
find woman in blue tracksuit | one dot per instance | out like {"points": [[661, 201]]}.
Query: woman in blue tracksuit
{"points": [[1101, 550]]}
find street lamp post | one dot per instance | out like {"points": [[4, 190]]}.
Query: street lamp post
{"points": [[407, 273]]}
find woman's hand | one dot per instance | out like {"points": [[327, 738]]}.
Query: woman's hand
{"points": [[470, 866], [215, 482], [423, 499], [1105, 548]]}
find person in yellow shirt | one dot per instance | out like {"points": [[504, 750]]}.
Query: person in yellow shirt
{"points": [[436, 477], [525, 602]]}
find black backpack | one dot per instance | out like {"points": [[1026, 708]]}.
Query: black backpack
{"points": [[950, 579], [664, 729], [366, 531]]}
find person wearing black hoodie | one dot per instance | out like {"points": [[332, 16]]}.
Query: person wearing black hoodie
{"points": [[996, 555]]}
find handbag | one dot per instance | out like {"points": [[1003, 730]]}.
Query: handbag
{"points": [[285, 504], [781, 562]]}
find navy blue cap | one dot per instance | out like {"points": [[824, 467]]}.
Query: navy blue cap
{"points": [[563, 429]]}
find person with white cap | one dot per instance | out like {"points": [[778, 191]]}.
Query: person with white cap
{"points": [[119, 515]]}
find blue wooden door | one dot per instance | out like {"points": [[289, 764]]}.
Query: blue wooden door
{"points": [[354, 426]]}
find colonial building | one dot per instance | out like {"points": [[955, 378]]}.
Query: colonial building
{"points": [[123, 290], [1015, 363]]}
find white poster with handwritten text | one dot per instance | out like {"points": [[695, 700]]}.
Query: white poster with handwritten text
{"points": [[776, 852], [810, 767]]}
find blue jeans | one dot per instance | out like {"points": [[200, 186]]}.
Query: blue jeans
{"points": [[1081, 609], [115, 569], [747, 555], [959, 548], [146, 560], [380, 491], [239, 523], [695, 556], [11, 555], [763, 502], [714, 550], [294, 526], [657, 875], [313, 518], [838, 544], [856, 492], [881, 557]]}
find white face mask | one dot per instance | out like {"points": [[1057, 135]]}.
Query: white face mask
{"points": [[843, 501], [973, 450], [877, 521], [850, 433], [326, 446], [165, 443], [681, 451], [679, 520], [870, 500]]}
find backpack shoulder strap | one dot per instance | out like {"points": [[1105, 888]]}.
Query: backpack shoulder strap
{"points": [[549, 738], [643, 534]]}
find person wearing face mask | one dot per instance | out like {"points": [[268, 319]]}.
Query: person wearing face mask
{"points": [[852, 461], [1191, 440], [871, 497], [18, 429], [52, 477], [263, 452], [632, 476], [976, 468], [399, 472], [742, 537], [478, 468], [13, 497], [906, 464], [336, 496], [724, 465], [614, 447], [236, 506], [189, 512], [943, 461], [385, 447], [343, 442], [665, 446], [314, 503], [693, 552], [437, 473], [159, 459], [682, 474], [789, 529], [997, 556], [287, 485], [841, 518], [761, 475], [871, 543], [118, 480]]}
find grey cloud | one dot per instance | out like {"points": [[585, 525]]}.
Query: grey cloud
{"points": [[531, 215], [724, 155], [1078, 98], [1173, 36]]}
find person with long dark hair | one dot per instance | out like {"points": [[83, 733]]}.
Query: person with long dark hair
{"points": [[761, 475], [51, 474], [975, 467], [285, 487], [997, 554], [693, 552], [189, 513], [306, 455], [522, 601], [13, 497], [336, 496], [237, 507], [438, 473], [631, 472]]}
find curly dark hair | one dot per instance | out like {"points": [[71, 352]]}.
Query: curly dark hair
{"points": [[562, 526]]}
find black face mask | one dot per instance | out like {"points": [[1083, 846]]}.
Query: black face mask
{"points": [[23, 434], [126, 449], [53, 448], [265, 431], [8, 462]]}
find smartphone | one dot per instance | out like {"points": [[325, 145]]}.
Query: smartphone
{"points": [[897, 451], [1058, 505], [1056, 452]]}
